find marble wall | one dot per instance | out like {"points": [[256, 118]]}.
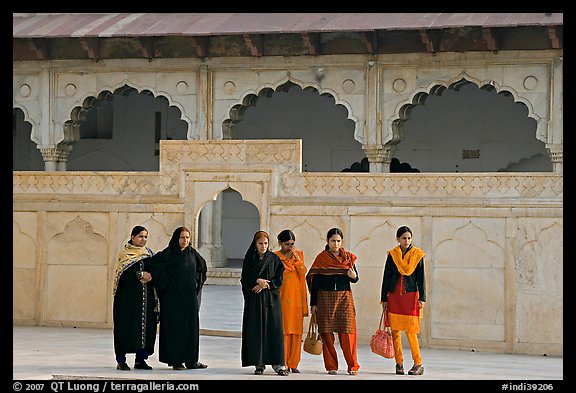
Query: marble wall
{"points": [[493, 242]]}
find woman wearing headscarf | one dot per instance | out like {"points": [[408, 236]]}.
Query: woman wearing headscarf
{"points": [[262, 334], [293, 296], [403, 296], [329, 279], [179, 273], [135, 303]]}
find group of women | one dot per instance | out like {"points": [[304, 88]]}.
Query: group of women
{"points": [[275, 287]]}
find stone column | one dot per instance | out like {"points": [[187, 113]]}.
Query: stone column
{"points": [[55, 157], [379, 157], [210, 238], [556, 156]]}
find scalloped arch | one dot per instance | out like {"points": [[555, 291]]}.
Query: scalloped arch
{"points": [[245, 100], [89, 99], [418, 97], [27, 119]]}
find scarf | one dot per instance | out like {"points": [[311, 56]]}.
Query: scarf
{"points": [[406, 264], [128, 256], [327, 263]]}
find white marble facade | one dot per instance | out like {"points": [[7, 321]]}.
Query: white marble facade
{"points": [[493, 241]]}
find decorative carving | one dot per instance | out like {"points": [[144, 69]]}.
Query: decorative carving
{"points": [[555, 152], [25, 90]]}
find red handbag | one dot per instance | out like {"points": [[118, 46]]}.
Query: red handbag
{"points": [[381, 341]]}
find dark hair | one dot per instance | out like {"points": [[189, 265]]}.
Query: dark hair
{"points": [[332, 232], [136, 230], [286, 235], [402, 230]]}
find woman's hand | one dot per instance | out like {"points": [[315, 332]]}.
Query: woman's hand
{"points": [[261, 284], [145, 277], [351, 273]]}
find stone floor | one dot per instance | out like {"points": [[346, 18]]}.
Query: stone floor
{"points": [[58, 353]]}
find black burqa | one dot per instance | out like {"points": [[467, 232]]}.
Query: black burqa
{"points": [[262, 334], [178, 276]]}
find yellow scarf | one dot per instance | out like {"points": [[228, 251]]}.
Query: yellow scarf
{"points": [[129, 255], [407, 264]]}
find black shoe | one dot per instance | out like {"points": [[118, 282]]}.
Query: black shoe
{"points": [[283, 372], [295, 370], [142, 365], [196, 365], [122, 367], [178, 367], [259, 371], [417, 369], [400, 369]]}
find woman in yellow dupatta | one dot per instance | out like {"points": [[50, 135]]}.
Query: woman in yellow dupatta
{"points": [[403, 295], [135, 303], [293, 297]]}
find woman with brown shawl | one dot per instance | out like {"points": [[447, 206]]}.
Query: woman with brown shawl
{"points": [[179, 273], [403, 295], [261, 279], [134, 303], [294, 298], [331, 299]]}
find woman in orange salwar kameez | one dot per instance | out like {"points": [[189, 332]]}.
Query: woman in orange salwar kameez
{"points": [[403, 295], [329, 279], [293, 297]]}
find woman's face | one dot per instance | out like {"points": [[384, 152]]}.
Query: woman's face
{"points": [[262, 245], [405, 240], [287, 246], [334, 243], [184, 239], [140, 239]]}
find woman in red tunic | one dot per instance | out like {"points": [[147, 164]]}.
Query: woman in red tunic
{"points": [[403, 295]]}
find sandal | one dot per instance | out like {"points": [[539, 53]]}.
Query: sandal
{"points": [[259, 371], [400, 369], [295, 370], [332, 372], [417, 369], [353, 372], [283, 372]]}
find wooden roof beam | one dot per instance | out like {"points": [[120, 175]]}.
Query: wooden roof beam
{"points": [[40, 47], [311, 42], [553, 35], [254, 43], [92, 47], [147, 47], [490, 38], [370, 39], [430, 39], [201, 46]]}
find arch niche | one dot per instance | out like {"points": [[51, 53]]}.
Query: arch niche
{"points": [[210, 199]]}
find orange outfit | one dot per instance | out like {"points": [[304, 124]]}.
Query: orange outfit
{"points": [[329, 286], [294, 300]]}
